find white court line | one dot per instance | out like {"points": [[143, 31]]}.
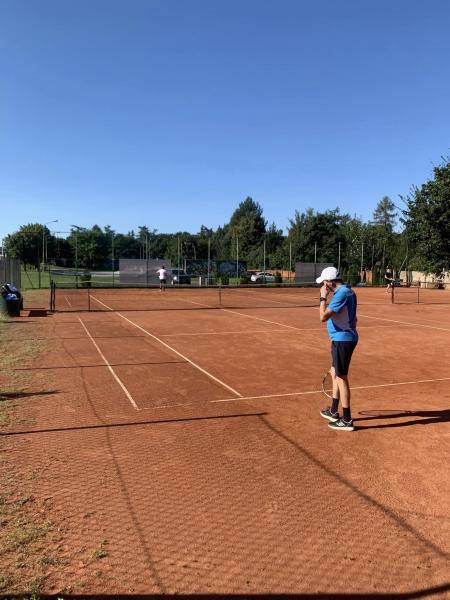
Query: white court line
{"points": [[164, 335], [251, 331], [67, 300], [236, 312], [210, 375], [116, 377], [359, 387], [254, 293], [223, 384], [97, 300], [405, 322], [245, 315]]}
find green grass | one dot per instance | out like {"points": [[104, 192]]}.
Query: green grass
{"points": [[30, 279]]}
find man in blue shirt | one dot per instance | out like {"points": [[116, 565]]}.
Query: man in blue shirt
{"points": [[340, 316]]}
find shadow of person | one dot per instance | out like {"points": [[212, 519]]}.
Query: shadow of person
{"points": [[426, 417]]}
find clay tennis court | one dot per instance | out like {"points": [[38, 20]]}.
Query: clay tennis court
{"points": [[190, 441]]}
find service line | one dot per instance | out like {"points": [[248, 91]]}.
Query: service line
{"points": [[359, 387], [116, 377]]}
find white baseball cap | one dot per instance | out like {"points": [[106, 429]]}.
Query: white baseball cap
{"points": [[329, 273]]}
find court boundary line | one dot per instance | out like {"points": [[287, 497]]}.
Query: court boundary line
{"points": [[245, 315], [113, 373], [253, 293], [359, 387], [405, 323], [191, 362], [254, 331]]}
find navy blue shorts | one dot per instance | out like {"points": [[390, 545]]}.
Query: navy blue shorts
{"points": [[341, 355]]}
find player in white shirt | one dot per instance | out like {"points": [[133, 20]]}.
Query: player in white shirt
{"points": [[163, 275]]}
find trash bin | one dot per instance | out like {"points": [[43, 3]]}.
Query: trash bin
{"points": [[9, 288], [12, 305]]}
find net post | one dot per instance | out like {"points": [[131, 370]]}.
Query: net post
{"points": [[220, 293], [392, 294], [418, 293]]}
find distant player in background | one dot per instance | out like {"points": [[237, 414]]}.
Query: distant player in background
{"points": [[389, 278], [163, 275], [340, 316]]}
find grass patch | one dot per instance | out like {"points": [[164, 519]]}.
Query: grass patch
{"points": [[24, 525], [100, 552], [16, 353]]}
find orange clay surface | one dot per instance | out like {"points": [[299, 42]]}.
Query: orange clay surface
{"points": [[191, 441]]}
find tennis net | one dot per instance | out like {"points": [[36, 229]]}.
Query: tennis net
{"points": [[66, 298], [436, 293]]}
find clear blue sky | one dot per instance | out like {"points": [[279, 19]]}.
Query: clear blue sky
{"points": [[168, 113]]}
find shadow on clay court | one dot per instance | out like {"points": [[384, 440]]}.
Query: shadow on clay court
{"points": [[132, 424], [428, 417], [383, 509], [423, 593], [91, 366], [17, 395]]}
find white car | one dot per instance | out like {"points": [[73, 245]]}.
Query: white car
{"points": [[262, 277]]}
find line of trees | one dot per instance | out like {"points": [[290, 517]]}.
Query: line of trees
{"points": [[329, 236]]}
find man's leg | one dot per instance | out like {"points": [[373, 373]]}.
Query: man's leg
{"points": [[331, 412], [345, 423], [336, 392], [344, 391], [343, 353]]}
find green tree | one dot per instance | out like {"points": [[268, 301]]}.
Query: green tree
{"points": [[427, 218], [91, 247], [26, 244], [385, 214], [248, 226], [312, 231]]}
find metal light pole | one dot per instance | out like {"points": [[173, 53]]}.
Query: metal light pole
{"points": [[290, 260], [43, 241], [362, 261], [112, 256], [264, 259], [209, 261], [78, 228], [315, 260]]}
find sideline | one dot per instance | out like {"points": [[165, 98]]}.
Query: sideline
{"points": [[191, 362], [207, 373], [116, 377]]}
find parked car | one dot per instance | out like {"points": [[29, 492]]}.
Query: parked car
{"points": [[262, 277], [180, 277]]}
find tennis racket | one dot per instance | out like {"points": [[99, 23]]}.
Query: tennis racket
{"points": [[327, 385]]}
